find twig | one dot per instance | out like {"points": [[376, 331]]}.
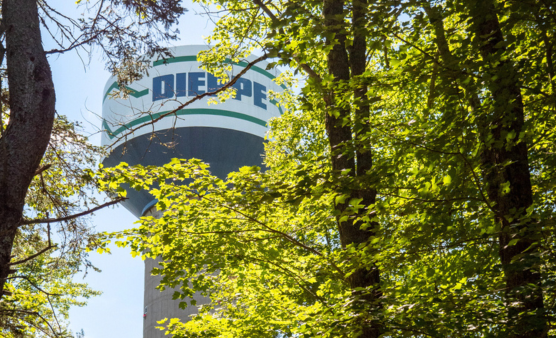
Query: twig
{"points": [[54, 313]]}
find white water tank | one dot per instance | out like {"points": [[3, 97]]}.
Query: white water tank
{"points": [[228, 136]]}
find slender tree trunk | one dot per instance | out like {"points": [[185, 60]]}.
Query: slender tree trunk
{"points": [[338, 122], [32, 111]]}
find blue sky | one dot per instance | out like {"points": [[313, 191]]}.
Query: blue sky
{"points": [[118, 312]]}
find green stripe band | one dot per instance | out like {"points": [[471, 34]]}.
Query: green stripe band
{"points": [[274, 102], [182, 112], [187, 58]]}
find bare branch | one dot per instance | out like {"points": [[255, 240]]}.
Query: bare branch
{"points": [[33, 256], [70, 217], [266, 10]]}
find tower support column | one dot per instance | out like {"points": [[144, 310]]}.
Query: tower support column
{"points": [[159, 304]]}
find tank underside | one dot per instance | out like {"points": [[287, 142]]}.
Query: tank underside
{"points": [[225, 150]]}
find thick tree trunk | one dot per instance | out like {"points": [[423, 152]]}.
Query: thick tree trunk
{"points": [[338, 122], [32, 99], [505, 161]]}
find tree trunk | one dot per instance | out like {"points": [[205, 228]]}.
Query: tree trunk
{"points": [[32, 100], [505, 161], [338, 121]]}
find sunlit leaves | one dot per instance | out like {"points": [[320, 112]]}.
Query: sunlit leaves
{"points": [[265, 245]]}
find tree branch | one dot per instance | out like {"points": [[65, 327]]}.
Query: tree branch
{"points": [[67, 218], [33, 256], [35, 314], [43, 168]]}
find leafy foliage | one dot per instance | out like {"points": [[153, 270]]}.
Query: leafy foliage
{"points": [[459, 122]]}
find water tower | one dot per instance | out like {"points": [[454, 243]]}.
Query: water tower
{"points": [[228, 136]]}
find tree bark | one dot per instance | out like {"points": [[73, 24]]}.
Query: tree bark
{"points": [[338, 122], [32, 110]]}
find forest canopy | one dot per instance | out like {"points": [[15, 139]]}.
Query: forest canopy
{"points": [[408, 189]]}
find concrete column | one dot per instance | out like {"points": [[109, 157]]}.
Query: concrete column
{"points": [[159, 305]]}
